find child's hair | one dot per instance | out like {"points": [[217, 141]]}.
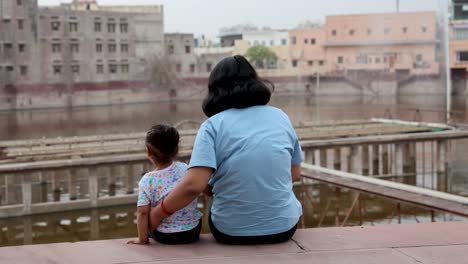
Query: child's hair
{"points": [[163, 142]]}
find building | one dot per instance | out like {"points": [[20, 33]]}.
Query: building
{"points": [[459, 38], [266, 37], [179, 48], [400, 43], [75, 47]]}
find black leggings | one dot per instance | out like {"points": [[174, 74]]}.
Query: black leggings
{"points": [[250, 240], [178, 238]]}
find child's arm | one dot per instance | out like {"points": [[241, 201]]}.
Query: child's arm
{"points": [[142, 226]]}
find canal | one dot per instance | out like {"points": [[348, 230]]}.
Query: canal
{"points": [[319, 209]]}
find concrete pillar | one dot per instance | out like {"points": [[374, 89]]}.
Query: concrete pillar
{"points": [[441, 156], [55, 186], [26, 193], [356, 160], [93, 186], [323, 158], [72, 176], [374, 159], [115, 171], [337, 158], [309, 156], [365, 159], [399, 159]]}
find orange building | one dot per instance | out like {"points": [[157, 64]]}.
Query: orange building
{"points": [[401, 43]]}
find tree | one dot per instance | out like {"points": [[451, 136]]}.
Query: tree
{"points": [[163, 75], [261, 56]]}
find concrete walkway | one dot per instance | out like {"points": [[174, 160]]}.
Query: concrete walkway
{"points": [[445, 243]]}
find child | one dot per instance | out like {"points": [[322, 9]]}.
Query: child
{"points": [[183, 226]]}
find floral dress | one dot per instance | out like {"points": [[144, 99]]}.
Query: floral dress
{"points": [[154, 186]]}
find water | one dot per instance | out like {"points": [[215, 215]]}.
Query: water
{"points": [[318, 200]]}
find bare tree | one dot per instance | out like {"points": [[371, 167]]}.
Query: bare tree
{"points": [[163, 75]]}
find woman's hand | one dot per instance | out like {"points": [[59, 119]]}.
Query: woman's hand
{"points": [[137, 241]]}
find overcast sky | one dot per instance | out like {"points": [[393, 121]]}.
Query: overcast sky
{"points": [[208, 16]]}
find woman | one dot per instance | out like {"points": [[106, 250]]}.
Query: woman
{"points": [[247, 156]]}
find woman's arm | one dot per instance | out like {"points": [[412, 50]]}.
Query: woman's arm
{"points": [[296, 172], [142, 225], [183, 194]]}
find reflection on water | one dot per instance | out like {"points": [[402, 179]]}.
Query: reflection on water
{"points": [[319, 203], [138, 117]]}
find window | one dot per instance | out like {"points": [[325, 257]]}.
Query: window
{"points": [[209, 66], [55, 25], [97, 26], [112, 48], [111, 27], [57, 69], [462, 56], [294, 63], [293, 40], [98, 47], [124, 48], [23, 70], [387, 31], [340, 60], [74, 47], [369, 31], [192, 68], [125, 68], [424, 29], [123, 28], [19, 2], [56, 48], [312, 41], [21, 47], [405, 30], [112, 68], [73, 26], [6, 21], [460, 33], [99, 68], [306, 41], [333, 32], [361, 59], [310, 63], [171, 49], [178, 67], [187, 49], [321, 62], [419, 57], [9, 69], [284, 42], [351, 32], [272, 42], [75, 69], [20, 24], [377, 60]]}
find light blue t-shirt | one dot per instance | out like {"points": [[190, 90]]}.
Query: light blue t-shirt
{"points": [[251, 150]]}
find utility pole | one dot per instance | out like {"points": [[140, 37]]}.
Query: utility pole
{"points": [[398, 6]]}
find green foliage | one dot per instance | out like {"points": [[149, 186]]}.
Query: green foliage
{"points": [[261, 56]]}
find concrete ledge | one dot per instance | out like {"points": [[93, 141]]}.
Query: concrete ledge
{"points": [[418, 243]]}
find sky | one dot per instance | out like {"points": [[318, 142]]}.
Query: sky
{"points": [[208, 16]]}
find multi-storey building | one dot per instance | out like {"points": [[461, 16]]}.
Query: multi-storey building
{"points": [[459, 38], [77, 46], [402, 43], [179, 48]]}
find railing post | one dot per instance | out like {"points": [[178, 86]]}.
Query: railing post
{"points": [[356, 160], [93, 186], [72, 183], [337, 158], [26, 193], [399, 159], [365, 160]]}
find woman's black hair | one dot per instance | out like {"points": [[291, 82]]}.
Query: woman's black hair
{"points": [[234, 83], [163, 142]]}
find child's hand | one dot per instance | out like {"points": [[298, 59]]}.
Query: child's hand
{"points": [[208, 191], [136, 241]]}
